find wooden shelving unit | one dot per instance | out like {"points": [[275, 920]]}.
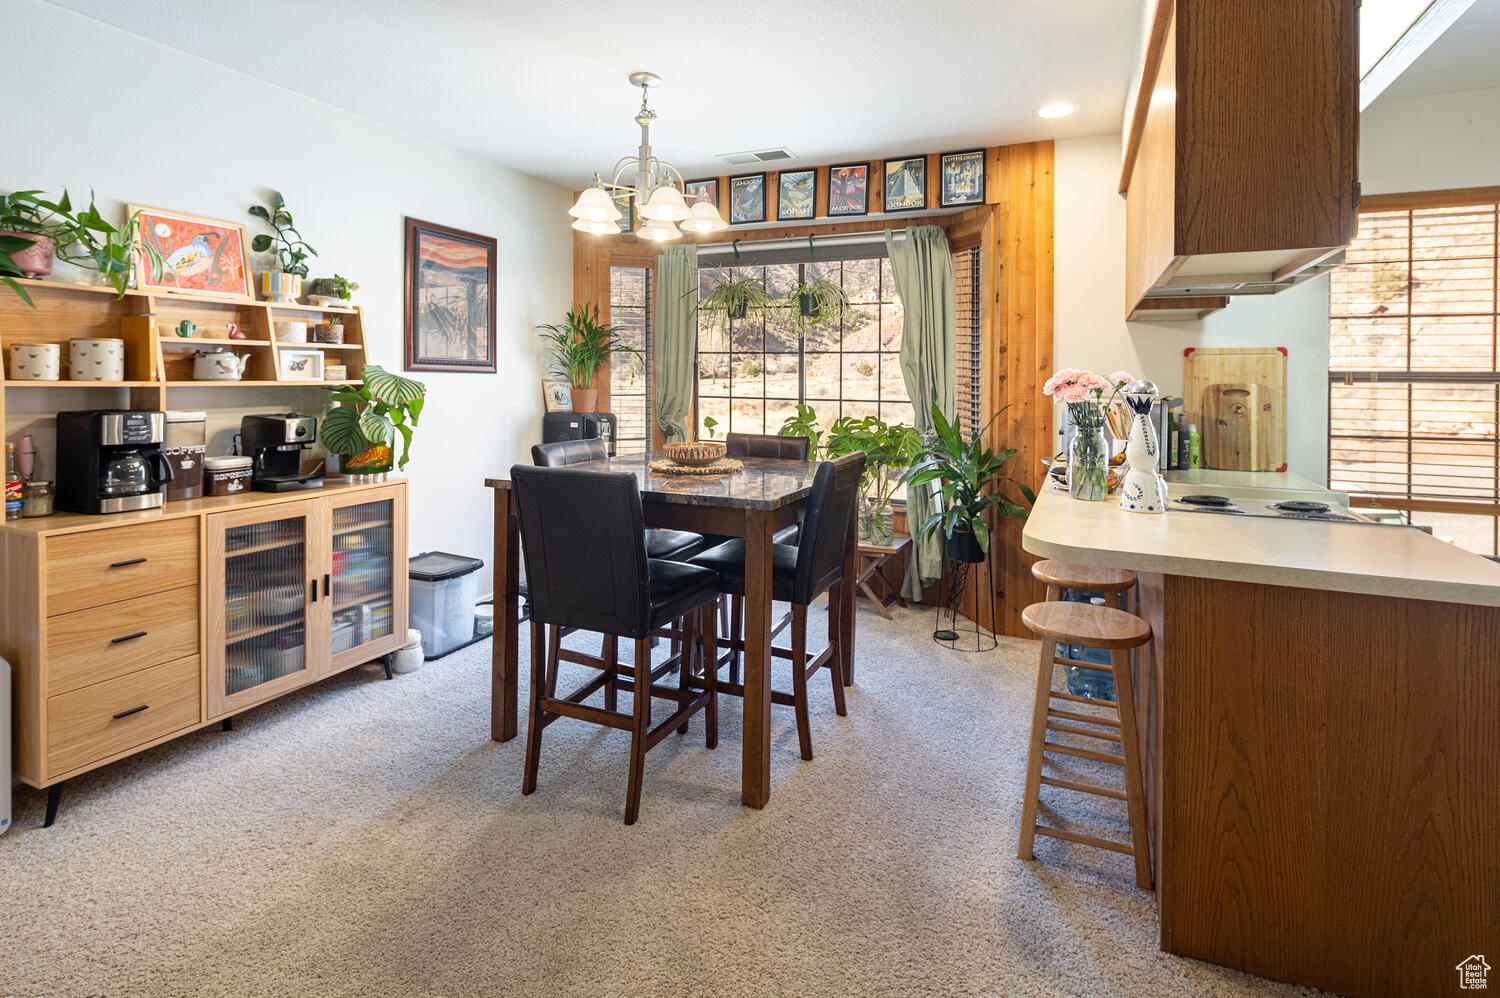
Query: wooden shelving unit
{"points": [[157, 360]]}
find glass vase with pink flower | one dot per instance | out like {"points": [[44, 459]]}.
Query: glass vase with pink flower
{"points": [[1088, 397]]}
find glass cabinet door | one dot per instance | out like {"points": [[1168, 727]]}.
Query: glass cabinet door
{"points": [[365, 602]]}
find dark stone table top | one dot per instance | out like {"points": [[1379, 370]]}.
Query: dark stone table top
{"points": [[764, 483]]}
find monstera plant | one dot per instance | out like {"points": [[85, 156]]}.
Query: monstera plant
{"points": [[363, 425]]}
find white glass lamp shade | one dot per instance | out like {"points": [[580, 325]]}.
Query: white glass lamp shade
{"points": [[595, 205], [704, 218], [659, 231], [597, 228], [666, 205]]}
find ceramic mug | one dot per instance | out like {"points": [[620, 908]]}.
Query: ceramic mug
{"points": [[35, 362], [96, 360], [291, 332]]}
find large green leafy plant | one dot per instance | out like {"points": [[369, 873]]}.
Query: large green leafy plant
{"points": [[580, 344], [969, 474], [374, 413], [291, 252]]}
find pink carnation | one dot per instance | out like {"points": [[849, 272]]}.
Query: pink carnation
{"points": [[1073, 392], [1089, 379], [1120, 377]]}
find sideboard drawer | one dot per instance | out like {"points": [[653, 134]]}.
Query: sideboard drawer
{"points": [[95, 567], [97, 721], [90, 646]]}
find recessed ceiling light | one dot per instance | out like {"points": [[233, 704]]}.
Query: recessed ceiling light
{"points": [[1059, 110]]}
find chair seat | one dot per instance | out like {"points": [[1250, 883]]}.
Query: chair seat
{"points": [[728, 560], [1088, 578], [1086, 624], [678, 588], [673, 544]]}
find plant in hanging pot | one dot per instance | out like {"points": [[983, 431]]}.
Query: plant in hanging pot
{"points": [[817, 302], [733, 297], [366, 419], [969, 476], [580, 345], [889, 450], [283, 282]]}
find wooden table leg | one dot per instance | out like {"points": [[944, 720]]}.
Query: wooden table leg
{"points": [[872, 568], [846, 594], [755, 776], [507, 589]]}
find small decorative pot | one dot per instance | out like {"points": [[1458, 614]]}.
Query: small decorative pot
{"points": [[96, 360], [328, 332], [35, 362], [279, 286], [187, 328], [291, 332], [584, 399], [36, 261], [964, 546]]}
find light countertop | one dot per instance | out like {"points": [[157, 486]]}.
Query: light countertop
{"points": [[1356, 558], [1281, 480]]}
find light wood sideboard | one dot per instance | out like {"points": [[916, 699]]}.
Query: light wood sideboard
{"points": [[127, 630]]}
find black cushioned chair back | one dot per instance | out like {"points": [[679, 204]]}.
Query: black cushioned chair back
{"points": [[766, 445], [583, 535], [825, 525], [561, 453]]}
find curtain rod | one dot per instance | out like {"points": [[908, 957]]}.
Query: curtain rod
{"points": [[761, 245]]}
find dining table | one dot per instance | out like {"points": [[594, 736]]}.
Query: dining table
{"points": [[754, 501]]}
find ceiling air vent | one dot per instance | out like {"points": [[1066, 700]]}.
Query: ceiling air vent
{"points": [[753, 156]]}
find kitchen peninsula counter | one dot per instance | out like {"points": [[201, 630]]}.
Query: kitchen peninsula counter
{"points": [[1319, 714]]}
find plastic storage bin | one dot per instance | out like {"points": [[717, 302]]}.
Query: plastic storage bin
{"points": [[443, 588]]}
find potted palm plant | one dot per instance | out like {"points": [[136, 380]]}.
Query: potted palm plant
{"points": [[580, 345], [363, 426], [969, 474]]}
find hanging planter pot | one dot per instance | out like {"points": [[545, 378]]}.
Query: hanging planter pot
{"points": [[738, 309], [809, 305]]}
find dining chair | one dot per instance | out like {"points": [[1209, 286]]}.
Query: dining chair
{"points": [[586, 563], [799, 575]]}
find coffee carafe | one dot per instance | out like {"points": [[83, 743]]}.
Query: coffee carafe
{"points": [[110, 461]]}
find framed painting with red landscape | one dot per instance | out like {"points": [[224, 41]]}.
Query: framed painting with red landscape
{"points": [[450, 299], [202, 256]]}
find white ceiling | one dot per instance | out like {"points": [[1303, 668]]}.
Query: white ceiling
{"points": [[1463, 58], [539, 85]]}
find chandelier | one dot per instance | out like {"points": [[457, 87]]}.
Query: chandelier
{"points": [[655, 184]]}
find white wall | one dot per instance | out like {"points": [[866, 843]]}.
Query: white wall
{"points": [[1434, 142], [87, 105]]}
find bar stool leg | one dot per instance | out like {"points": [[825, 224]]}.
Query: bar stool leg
{"points": [[1131, 749], [639, 726], [1034, 755], [612, 673], [554, 645], [710, 660], [534, 725], [688, 625], [799, 678]]}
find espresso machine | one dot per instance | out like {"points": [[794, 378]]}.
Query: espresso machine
{"points": [[111, 461], [275, 443]]}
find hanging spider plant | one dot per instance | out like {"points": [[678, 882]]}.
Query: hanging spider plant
{"points": [[815, 303], [735, 298]]}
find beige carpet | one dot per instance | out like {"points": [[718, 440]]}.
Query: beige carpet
{"points": [[367, 838]]}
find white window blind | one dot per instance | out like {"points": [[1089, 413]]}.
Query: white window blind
{"points": [[966, 340], [630, 308]]}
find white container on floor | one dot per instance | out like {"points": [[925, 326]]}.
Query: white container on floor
{"points": [[443, 588], [409, 656], [484, 620]]}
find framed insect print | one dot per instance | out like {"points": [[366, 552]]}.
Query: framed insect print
{"points": [[906, 184], [747, 198], [796, 195], [849, 189], [450, 299], [961, 178]]}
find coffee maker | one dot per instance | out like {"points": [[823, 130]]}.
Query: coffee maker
{"points": [[275, 442], [110, 461]]}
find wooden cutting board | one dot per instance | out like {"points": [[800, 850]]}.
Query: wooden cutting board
{"points": [[1265, 367], [1239, 421]]}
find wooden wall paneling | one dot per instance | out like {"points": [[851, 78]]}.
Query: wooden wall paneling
{"points": [[820, 201]]}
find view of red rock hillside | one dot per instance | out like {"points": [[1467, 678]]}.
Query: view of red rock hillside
{"points": [[1414, 394]]}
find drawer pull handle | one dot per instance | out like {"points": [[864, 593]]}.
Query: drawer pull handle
{"points": [[325, 585], [133, 710], [132, 561], [127, 637]]}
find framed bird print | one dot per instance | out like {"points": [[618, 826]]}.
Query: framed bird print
{"points": [[201, 256]]}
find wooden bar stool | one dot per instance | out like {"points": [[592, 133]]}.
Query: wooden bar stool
{"points": [[1094, 627], [1058, 575]]}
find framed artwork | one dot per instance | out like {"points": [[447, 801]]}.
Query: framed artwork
{"points": [[962, 175], [300, 365], [557, 394], [707, 189], [906, 184], [203, 256], [450, 299], [747, 198], [625, 203], [849, 189], [796, 195]]}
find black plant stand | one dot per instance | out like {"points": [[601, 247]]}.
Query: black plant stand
{"points": [[952, 630]]}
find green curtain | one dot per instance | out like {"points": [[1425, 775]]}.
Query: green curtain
{"points": [[923, 268], [676, 344]]}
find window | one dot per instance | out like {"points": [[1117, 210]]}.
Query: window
{"points": [[1414, 377], [966, 340], [630, 315], [752, 377]]}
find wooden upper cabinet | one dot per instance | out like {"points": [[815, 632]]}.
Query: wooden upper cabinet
{"points": [[1240, 166]]}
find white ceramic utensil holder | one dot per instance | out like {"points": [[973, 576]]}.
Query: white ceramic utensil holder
{"points": [[34, 362], [1143, 491], [96, 360]]}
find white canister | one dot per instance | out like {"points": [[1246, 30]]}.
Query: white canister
{"points": [[291, 332], [96, 360], [409, 657], [35, 362]]}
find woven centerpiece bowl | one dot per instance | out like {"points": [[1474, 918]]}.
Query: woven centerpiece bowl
{"points": [[694, 455]]}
